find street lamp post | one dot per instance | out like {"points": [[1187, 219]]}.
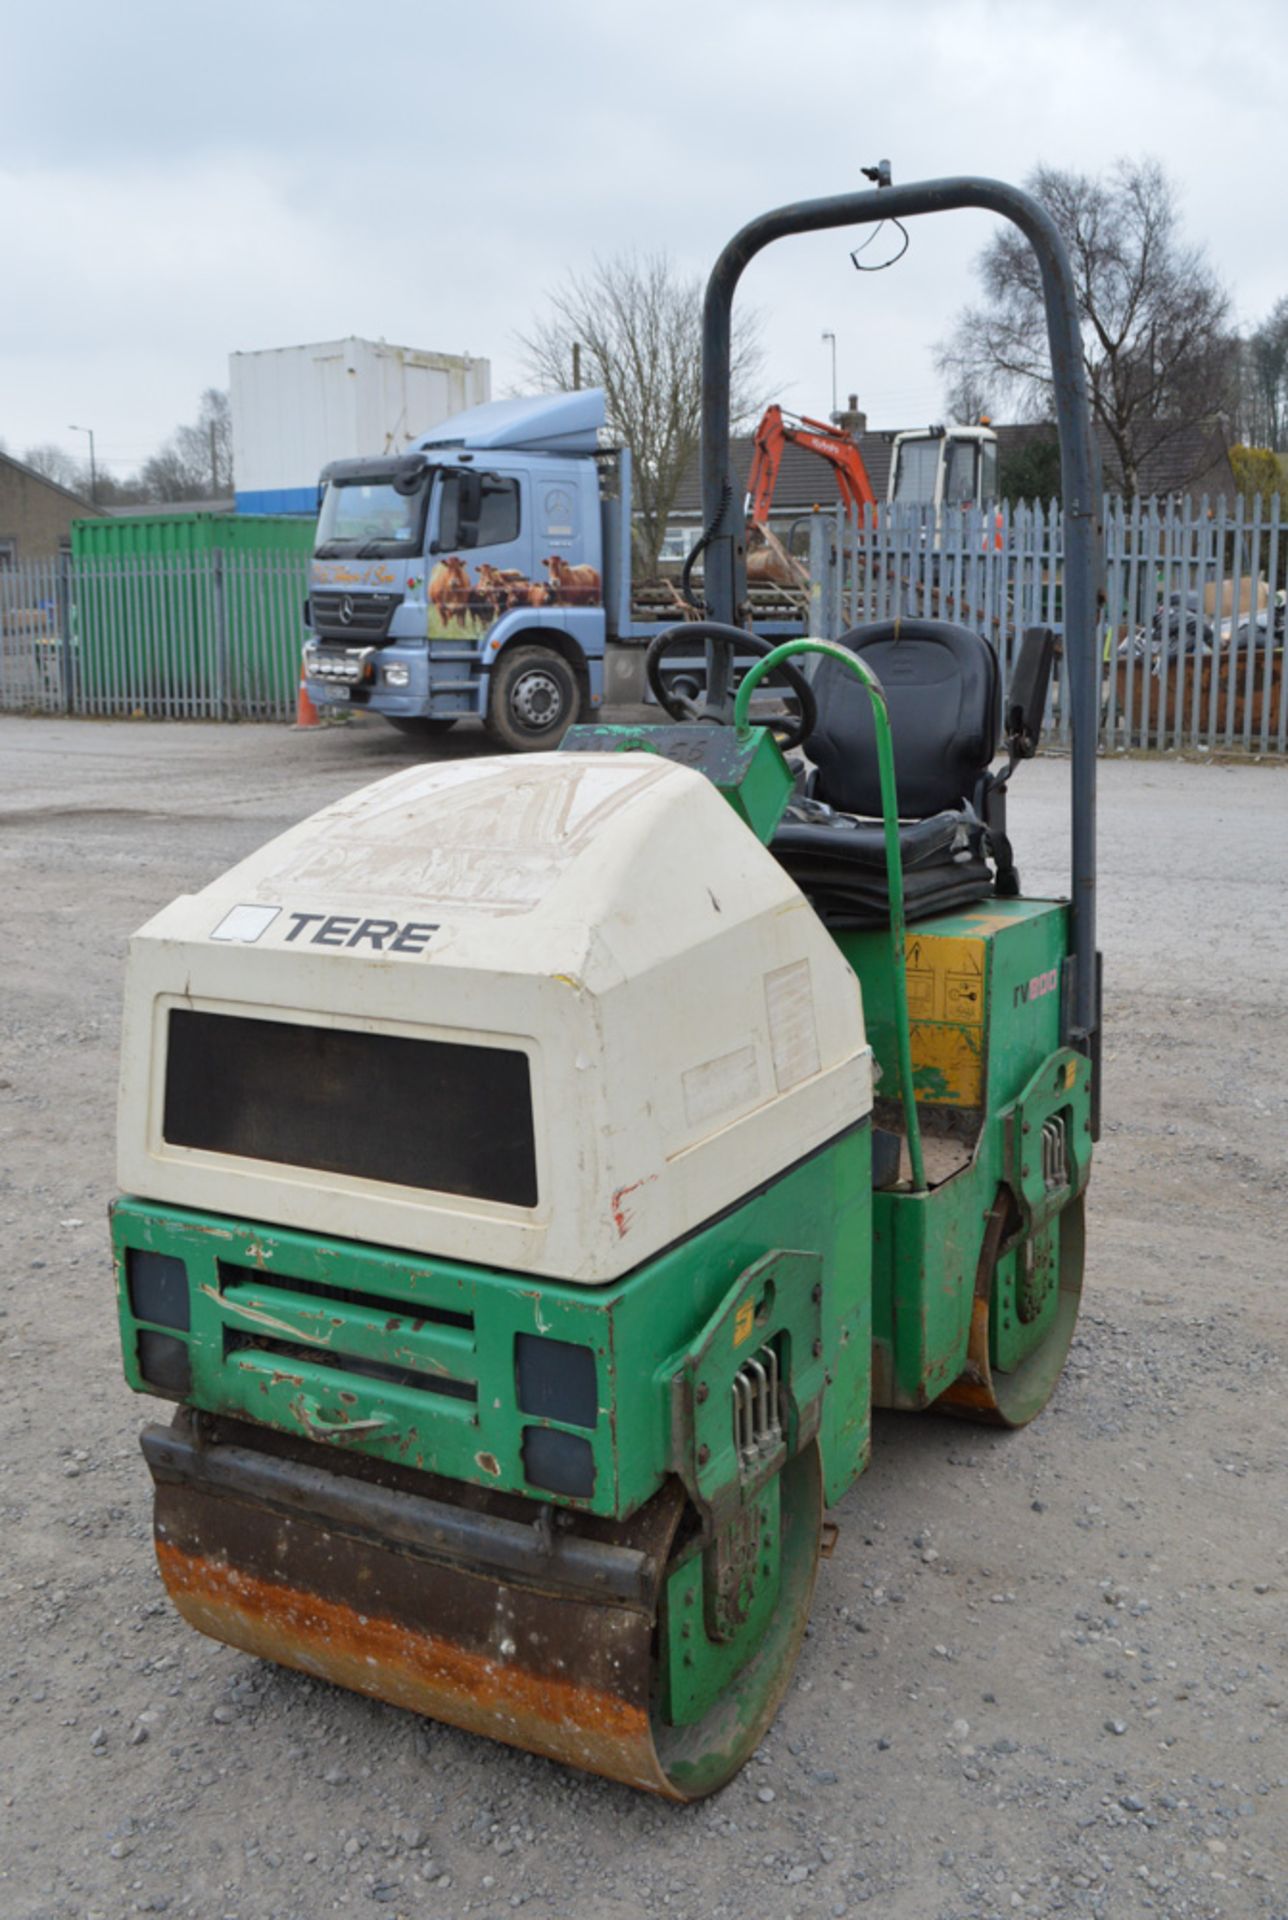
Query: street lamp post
{"points": [[93, 470], [832, 337]]}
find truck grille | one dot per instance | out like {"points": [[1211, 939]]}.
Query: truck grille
{"points": [[353, 616]]}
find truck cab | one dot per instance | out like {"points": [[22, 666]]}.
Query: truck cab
{"points": [[466, 575]]}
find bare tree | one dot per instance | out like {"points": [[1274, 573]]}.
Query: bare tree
{"points": [[64, 469], [1263, 400], [196, 462], [637, 326], [168, 478], [206, 446], [1155, 343], [967, 400]]}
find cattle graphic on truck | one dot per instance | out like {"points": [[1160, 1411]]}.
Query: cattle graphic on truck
{"points": [[459, 603], [486, 572]]}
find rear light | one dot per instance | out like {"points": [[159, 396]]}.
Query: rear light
{"points": [[158, 1286], [558, 1462], [164, 1363]]}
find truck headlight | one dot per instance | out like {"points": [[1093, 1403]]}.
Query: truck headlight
{"points": [[396, 676]]}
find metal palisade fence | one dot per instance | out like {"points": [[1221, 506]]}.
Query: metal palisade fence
{"points": [[1192, 631], [208, 635], [1192, 639]]}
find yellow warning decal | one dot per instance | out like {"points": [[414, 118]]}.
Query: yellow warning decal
{"points": [[947, 997]]}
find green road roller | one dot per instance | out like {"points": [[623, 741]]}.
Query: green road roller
{"points": [[535, 1170]]}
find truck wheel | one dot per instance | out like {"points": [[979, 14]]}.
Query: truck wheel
{"points": [[420, 726], [533, 699]]}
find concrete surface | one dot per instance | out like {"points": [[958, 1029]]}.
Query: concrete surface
{"points": [[1047, 1671]]}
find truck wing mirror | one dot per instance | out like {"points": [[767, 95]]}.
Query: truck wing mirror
{"points": [[469, 507], [410, 479], [1026, 696]]}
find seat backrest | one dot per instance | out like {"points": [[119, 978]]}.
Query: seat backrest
{"points": [[943, 691]]}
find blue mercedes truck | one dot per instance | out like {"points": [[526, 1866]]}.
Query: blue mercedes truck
{"points": [[486, 571]]}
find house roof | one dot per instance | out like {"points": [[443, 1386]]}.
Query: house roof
{"points": [[1193, 457], [31, 473], [805, 480]]}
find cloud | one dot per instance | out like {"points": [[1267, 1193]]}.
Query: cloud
{"points": [[176, 185]]}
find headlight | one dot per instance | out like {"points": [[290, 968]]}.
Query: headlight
{"points": [[158, 1288], [397, 676], [556, 1380]]}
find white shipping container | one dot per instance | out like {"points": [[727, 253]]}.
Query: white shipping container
{"points": [[296, 408]]}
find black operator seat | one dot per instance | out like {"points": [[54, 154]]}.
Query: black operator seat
{"points": [[943, 690]]}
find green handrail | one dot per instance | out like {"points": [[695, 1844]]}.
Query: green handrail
{"points": [[894, 862]]}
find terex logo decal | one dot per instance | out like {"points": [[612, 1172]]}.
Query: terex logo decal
{"points": [[1040, 984], [339, 930], [247, 923]]}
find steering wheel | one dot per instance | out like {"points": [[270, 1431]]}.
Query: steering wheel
{"points": [[679, 697]]}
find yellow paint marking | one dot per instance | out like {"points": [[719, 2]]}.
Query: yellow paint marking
{"points": [[744, 1322]]}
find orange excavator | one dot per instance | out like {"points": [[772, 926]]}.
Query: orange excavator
{"points": [[767, 558]]}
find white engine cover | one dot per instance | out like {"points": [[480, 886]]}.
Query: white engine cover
{"points": [[691, 1028]]}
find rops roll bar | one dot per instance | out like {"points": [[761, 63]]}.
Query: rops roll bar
{"points": [[1080, 475]]}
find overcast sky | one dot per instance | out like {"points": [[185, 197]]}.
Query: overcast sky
{"points": [[178, 182]]}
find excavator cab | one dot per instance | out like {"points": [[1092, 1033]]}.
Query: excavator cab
{"points": [[941, 467]]}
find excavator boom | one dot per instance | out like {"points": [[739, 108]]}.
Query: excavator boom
{"points": [[778, 429]]}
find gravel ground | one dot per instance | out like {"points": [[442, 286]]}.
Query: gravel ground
{"points": [[1048, 1672]]}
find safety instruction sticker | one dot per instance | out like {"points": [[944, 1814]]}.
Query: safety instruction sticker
{"points": [[946, 1008]]}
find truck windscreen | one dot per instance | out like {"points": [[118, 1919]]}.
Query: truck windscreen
{"points": [[437, 1115], [362, 520]]}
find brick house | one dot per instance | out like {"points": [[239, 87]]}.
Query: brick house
{"points": [[36, 514]]}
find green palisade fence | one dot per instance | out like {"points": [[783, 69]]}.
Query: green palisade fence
{"points": [[189, 631]]}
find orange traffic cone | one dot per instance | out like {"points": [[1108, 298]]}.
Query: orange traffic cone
{"points": [[306, 714]]}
